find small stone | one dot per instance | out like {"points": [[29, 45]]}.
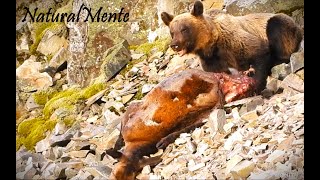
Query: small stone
{"points": [[99, 171], [232, 162], [93, 119], [78, 154], [146, 88], [69, 172], [146, 170], [110, 116], [235, 114], [242, 169], [227, 127], [248, 143], [217, 120], [273, 84], [268, 175], [297, 61], [180, 141], [59, 171], [250, 116], [300, 73], [196, 167], [118, 106], [191, 146], [20, 175], [280, 71], [83, 175], [275, 156], [134, 70], [136, 56], [30, 173], [95, 97], [49, 154], [235, 137], [77, 145], [252, 105], [91, 160], [57, 76], [261, 147], [57, 151], [30, 104], [294, 82], [265, 138], [298, 142], [286, 144], [126, 98], [202, 147], [60, 128], [42, 145]]}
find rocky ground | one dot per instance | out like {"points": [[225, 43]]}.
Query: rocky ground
{"points": [[64, 127]]}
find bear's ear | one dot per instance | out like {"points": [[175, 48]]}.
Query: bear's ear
{"points": [[166, 18], [197, 9]]}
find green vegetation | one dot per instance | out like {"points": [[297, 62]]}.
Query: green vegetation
{"points": [[41, 97], [31, 131], [161, 44]]}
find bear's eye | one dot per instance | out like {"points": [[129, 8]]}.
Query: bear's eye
{"points": [[171, 33], [184, 30]]}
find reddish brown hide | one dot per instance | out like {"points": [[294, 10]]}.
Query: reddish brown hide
{"points": [[175, 105]]}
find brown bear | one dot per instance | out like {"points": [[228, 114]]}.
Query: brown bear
{"points": [[223, 41]]}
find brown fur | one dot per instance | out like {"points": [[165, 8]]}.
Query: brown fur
{"points": [[223, 41]]}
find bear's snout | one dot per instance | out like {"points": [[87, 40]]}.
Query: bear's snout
{"points": [[175, 47]]}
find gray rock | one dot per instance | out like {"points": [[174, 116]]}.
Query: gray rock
{"points": [[115, 58], [298, 16], [293, 81], [82, 175], [59, 58], [300, 73], [62, 140], [133, 71], [280, 71], [251, 105], [110, 116], [78, 154], [69, 172], [297, 61], [29, 78], [238, 7], [20, 175], [77, 145], [273, 84], [60, 128], [58, 151], [22, 44], [47, 171], [91, 160], [146, 88], [49, 154], [96, 171], [78, 36], [30, 104], [51, 42], [20, 165], [217, 120], [30, 173], [59, 171]]}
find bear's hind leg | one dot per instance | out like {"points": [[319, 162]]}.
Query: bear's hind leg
{"points": [[284, 38]]}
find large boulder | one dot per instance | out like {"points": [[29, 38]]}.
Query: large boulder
{"points": [[29, 77], [240, 7]]}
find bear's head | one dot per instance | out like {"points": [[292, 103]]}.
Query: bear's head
{"points": [[189, 31]]}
